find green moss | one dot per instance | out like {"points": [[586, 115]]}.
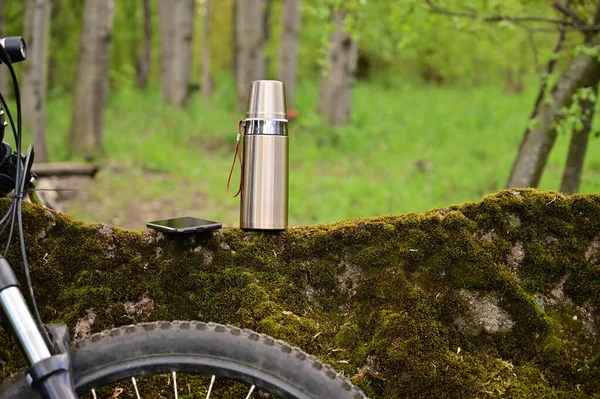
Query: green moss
{"points": [[384, 299], [530, 382], [296, 330], [348, 337]]}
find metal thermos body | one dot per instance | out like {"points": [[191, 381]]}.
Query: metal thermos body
{"points": [[264, 193]]}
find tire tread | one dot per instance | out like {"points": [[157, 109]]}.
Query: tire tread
{"points": [[296, 353]]}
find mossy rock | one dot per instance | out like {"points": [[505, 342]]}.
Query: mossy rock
{"points": [[494, 298]]}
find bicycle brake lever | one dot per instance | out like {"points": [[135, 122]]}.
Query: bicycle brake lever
{"points": [[8, 168], [3, 124], [28, 163]]}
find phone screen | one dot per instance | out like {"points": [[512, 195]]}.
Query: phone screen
{"points": [[184, 225]]}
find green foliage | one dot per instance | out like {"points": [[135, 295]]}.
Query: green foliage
{"points": [[127, 44], [590, 51], [316, 19], [64, 45], [573, 118], [387, 30]]}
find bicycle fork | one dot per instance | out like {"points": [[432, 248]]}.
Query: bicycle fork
{"points": [[49, 374]]}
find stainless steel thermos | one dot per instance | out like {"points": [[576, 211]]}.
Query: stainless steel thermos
{"points": [[264, 192]]}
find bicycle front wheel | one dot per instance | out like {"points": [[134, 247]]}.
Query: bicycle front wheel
{"points": [[120, 359]]}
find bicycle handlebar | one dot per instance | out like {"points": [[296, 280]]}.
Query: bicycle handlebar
{"points": [[15, 48]]}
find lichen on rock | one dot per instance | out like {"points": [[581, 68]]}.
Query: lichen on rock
{"points": [[496, 298], [483, 314], [84, 325]]}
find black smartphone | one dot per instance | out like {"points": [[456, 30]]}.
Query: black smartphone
{"points": [[184, 225]]}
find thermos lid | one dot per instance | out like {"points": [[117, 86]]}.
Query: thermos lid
{"points": [[267, 100]]}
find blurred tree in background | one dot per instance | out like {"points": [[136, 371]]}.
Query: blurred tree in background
{"points": [[288, 48], [167, 28], [207, 79], [34, 83], [91, 86], [335, 95], [145, 56], [250, 35], [177, 28]]}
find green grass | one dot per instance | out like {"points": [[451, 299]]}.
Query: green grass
{"points": [[409, 147]]}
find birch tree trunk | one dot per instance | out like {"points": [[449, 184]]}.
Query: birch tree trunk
{"points": [[181, 64], [3, 81], [249, 58], [288, 50], [34, 82], [583, 71], [577, 148], [144, 61], [207, 82], [335, 96], [166, 46], [91, 89]]}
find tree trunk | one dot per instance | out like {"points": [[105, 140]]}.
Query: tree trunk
{"points": [[34, 83], [250, 62], [26, 85], [166, 46], [335, 97], [234, 29], [579, 140], [65, 169], [266, 27], [3, 80], [181, 68], [288, 50], [583, 71], [91, 89], [144, 61], [578, 147], [207, 82]]}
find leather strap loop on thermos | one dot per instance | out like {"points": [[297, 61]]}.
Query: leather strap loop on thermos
{"points": [[239, 156]]}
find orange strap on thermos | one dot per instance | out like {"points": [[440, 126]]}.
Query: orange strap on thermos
{"points": [[239, 156]]}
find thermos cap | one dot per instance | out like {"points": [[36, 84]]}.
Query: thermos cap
{"points": [[267, 100]]}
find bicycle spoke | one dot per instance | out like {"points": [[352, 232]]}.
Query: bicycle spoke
{"points": [[250, 392], [212, 382], [137, 393], [175, 384]]}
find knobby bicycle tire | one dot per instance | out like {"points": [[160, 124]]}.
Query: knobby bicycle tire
{"points": [[196, 347]]}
